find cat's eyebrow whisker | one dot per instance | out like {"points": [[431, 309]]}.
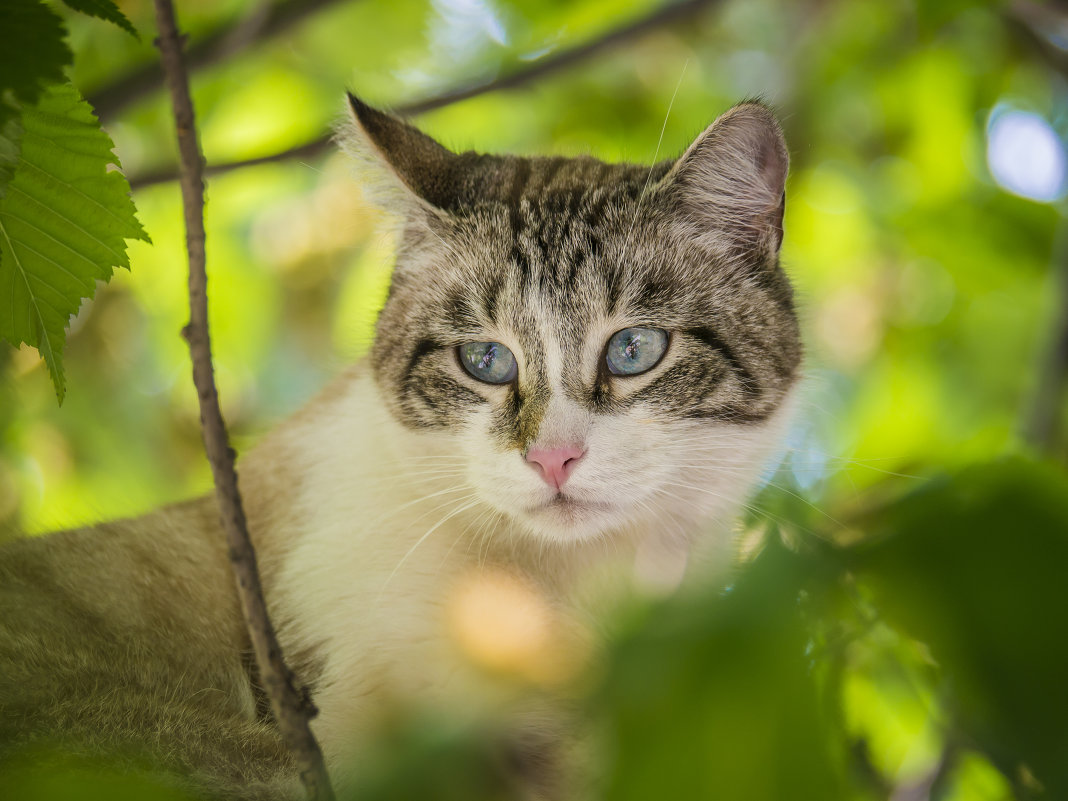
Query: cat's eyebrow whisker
{"points": [[652, 166]]}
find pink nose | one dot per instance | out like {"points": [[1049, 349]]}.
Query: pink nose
{"points": [[555, 464]]}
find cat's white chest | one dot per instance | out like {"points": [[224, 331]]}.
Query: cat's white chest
{"points": [[372, 578]]}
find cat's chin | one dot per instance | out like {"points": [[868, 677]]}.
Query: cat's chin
{"points": [[567, 519]]}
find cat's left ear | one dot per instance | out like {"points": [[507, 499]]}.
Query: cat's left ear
{"points": [[729, 187]]}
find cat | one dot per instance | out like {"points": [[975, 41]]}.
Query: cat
{"points": [[577, 377]]}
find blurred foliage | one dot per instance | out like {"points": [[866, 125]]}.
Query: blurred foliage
{"points": [[975, 569], [908, 641], [46, 777], [716, 700]]}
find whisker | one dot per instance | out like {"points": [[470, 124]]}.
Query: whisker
{"points": [[391, 513], [480, 519], [430, 531], [748, 506], [649, 174]]}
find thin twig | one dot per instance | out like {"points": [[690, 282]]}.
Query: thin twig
{"points": [[292, 709], [264, 22], [563, 59]]}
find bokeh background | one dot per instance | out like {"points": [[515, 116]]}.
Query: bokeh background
{"points": [[924, 233]]}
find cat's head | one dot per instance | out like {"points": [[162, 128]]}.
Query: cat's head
{"points": [[605, 345]]}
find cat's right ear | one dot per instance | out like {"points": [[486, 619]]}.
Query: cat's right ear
{"points": [[404, 170]]}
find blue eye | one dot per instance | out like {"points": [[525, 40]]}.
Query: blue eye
{"points": [[491, 362], [635, 350]]}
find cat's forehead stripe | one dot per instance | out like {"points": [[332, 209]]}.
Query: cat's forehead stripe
{"points": [[520, 178]]}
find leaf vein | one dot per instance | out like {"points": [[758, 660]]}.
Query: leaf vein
{"points": [[73, 188], [64, 217], [44, 233], [29, 291]]}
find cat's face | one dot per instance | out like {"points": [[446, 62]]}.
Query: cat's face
{"points": [[605, 345]]}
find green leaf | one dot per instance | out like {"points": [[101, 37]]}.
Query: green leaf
{"points": [[975, 567], [103, 9], [63, 224], [712, 697], [32, 53]]}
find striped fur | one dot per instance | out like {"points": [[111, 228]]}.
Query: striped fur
{"points": [[551, 256]]}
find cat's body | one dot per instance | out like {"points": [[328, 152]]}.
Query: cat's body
{"points": [[390, 512]]}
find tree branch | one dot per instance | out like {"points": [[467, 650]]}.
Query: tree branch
{"points": [[563, 59], [265, 21], [292, 709]]}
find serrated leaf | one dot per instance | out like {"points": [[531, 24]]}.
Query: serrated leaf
{"points": [[32, 53], [103, 9], [64, 222]]}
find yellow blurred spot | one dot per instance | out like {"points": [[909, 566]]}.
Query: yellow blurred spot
{"points": [[331, 218], [830, 189], [831, 233], [49, 446], [504, 625], [361, 296], [25, 359], [849, 326]]}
